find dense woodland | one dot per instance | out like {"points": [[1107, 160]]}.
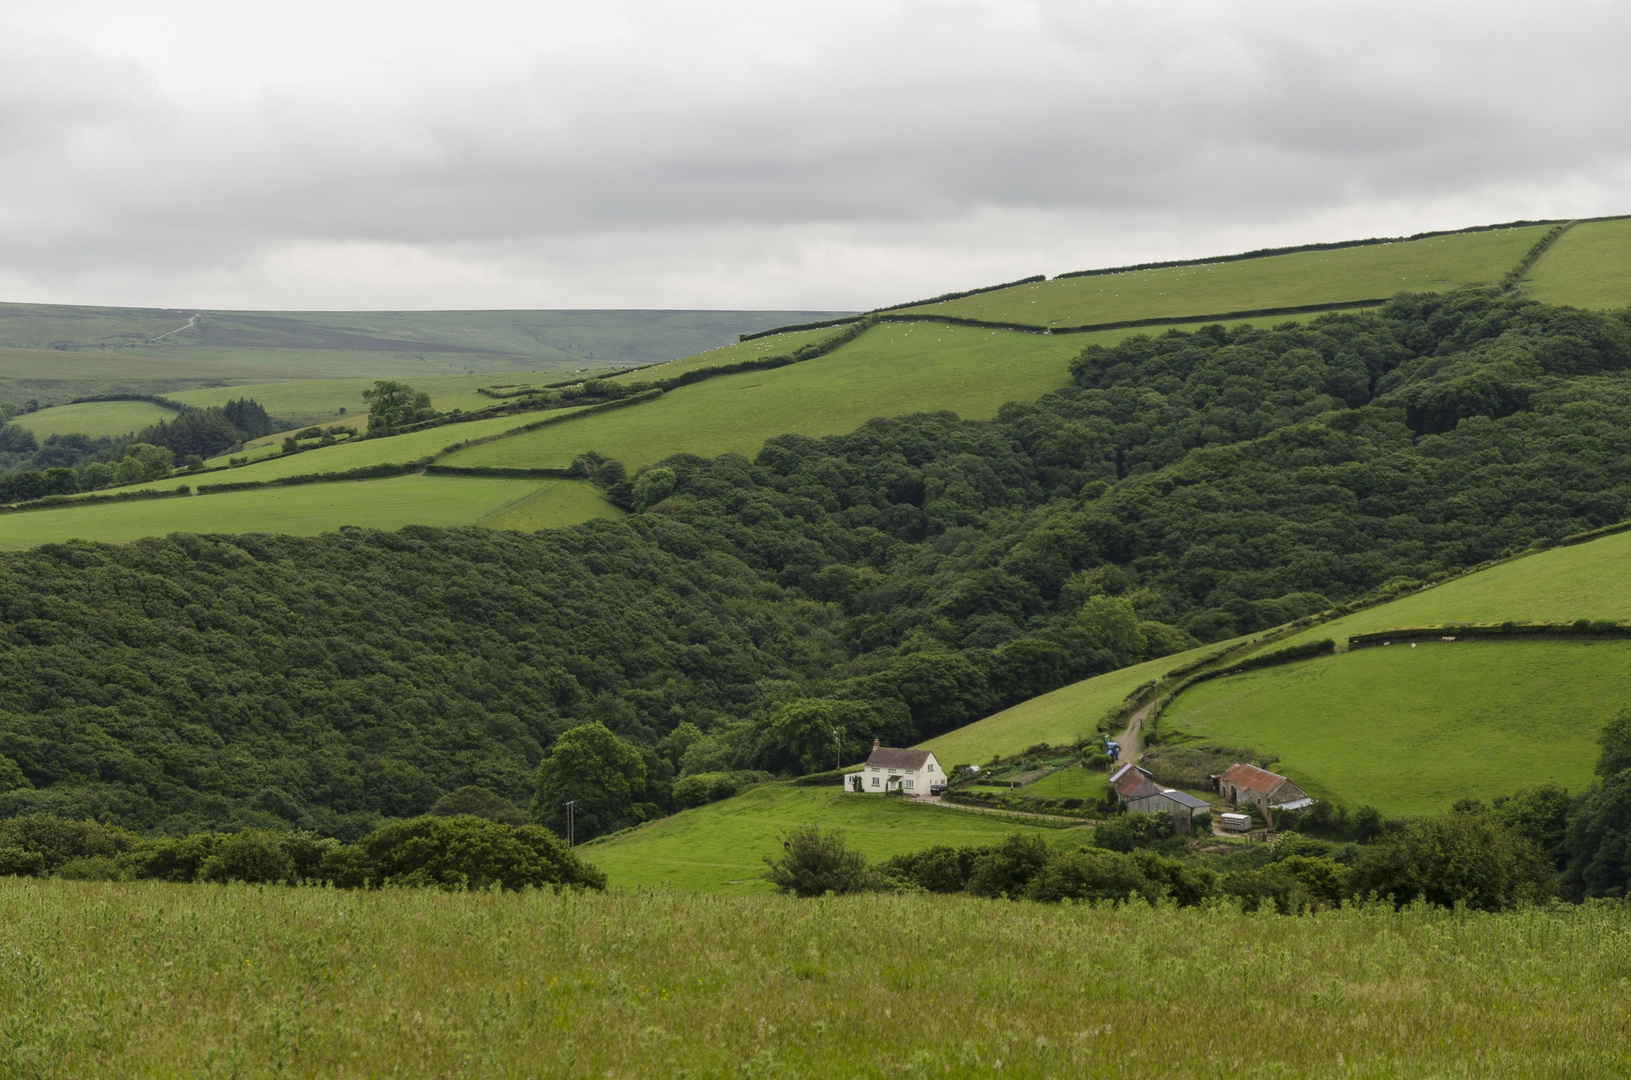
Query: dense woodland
{"points": [[902, 580]]}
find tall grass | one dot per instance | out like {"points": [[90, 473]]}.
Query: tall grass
{"points": [[161, 980]]}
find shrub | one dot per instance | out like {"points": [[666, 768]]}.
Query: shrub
{"points": [[938, 869], [1006, 869], [254, 855], [814, 863], [1091, 875], [56, 840], [1126, 832], [171, 858], [1269, 887], [1454, 859], [474, 853], [701, 788]]}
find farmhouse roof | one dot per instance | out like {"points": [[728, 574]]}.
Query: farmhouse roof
{"points": [[1132, 782], [887, 757], [1251, 778]]}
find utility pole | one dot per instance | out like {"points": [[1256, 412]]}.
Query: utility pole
{"points": [[838, 747], [569, 807]]}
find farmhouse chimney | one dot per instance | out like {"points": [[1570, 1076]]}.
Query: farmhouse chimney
{"points": [[874, 744]]}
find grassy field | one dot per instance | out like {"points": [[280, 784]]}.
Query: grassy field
{"points": [[721, 846], [317, 401], [1411, 730], [173, 981], [312, 508], [770, 345], [1312, 277], [1585, 581], [1589, 266], [888, 371], [556, 503], [1070, 784], [397, 450], [94, 418]]}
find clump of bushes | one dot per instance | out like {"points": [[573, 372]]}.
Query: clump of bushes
{"points": [[461, 851], [1457, 858], [699, 789]]}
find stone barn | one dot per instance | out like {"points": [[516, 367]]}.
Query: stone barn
{"points": [[1265, 790]]}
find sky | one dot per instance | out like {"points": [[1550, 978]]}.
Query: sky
{"points": [[348, 154]]}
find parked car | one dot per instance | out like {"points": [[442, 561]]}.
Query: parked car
{"points": [[937, 788]]}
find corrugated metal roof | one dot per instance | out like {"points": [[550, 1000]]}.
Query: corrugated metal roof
{"points": [[1295, 804], [887, 757], [1186, 800]]}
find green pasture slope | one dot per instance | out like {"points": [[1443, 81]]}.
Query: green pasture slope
{"points": [[1581, 581], [891, 370], [94, 418], [309, 509], [721, 846], [1589, 267], [1307, 277], [1411, 730], [361, 453], [769, 345]]}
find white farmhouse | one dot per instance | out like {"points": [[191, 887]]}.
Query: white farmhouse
{"points": [[888, 769]]}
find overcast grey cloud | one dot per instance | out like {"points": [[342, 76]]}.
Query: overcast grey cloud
{"points": [[792, 155]]}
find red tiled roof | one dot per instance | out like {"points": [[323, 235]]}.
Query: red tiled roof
{"points": [[887, 757], [1251, 778]]}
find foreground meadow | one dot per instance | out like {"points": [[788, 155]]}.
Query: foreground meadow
{"points": [[161, 980]]}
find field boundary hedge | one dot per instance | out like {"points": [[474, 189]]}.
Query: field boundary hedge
{"points": [[494, 472], [366, 472], [51, 502], [1515, 275], [1594, 628], [151, 399]]}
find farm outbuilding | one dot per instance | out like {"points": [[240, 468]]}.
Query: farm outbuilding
{"points": [[1261, 788], [1137, 789]]}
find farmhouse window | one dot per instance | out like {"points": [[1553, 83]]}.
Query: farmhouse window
{"points": [[874, 781], [908, 783]]}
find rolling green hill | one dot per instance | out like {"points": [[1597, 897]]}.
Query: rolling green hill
{"points": [[721, 846], [1372, 271]]}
